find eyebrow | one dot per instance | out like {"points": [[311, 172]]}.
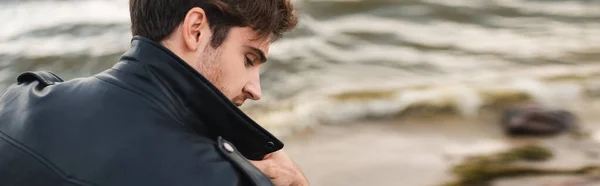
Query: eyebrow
{"points": [[260, 53]]}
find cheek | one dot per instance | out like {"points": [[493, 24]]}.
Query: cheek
{"points": [[234, 71]]}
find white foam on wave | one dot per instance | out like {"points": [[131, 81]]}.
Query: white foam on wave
{"points": [[565, 37], [320, 48], [24, 17], [563, 8], [558, 8], [380, 65], [106, 43]]}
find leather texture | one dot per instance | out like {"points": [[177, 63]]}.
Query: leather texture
{"points": [[250, 170], [149, 120]]}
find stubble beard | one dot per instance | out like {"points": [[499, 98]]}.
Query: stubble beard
{"points": [[210, 67]]}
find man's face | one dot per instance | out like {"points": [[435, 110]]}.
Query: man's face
{"points": [[234, 66]]}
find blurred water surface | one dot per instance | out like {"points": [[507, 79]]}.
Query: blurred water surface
{"points": [[351, 59], [356, 59]]}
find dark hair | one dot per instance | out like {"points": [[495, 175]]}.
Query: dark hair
{"points": [[156, 19]]}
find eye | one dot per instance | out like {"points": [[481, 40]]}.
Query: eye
{"points": [[248, 61]]}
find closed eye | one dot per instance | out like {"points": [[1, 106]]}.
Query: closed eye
{"points": [[249, 62]]}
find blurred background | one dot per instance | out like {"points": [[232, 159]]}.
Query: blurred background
{"points": [[377, 92]]}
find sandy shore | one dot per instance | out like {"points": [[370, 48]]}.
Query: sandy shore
{"points": [[383, 154], [415, 152]]}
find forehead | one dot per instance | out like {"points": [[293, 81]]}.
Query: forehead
{"points": [[247, 36]]}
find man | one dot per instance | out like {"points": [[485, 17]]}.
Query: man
{"points": [[164, 115]]}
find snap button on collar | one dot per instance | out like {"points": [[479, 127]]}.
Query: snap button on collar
{"points": [[270, 145], [228, 147]]}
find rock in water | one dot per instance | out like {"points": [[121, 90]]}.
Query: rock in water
{"points": [[533, 120]]}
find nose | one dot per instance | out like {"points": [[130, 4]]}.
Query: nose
{"points": [[252, 88]]}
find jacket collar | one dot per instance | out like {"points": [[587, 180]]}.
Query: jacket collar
{"points": [[203, 105]]}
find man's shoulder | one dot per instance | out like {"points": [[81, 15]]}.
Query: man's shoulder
{"points": [[33, 86], [47, 82], [125, 138]]}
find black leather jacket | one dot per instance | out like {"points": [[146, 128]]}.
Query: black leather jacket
{"points": [[150, 120]]}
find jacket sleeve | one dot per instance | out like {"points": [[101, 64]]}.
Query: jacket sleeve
{"points": [[195, 161], [255, 176]]}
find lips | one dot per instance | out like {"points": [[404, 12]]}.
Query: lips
{"points": [[239, 103]]}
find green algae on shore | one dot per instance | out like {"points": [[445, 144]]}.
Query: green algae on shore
{"points": [[482, 170], [428, 110], [502, 99], [364, 95]]}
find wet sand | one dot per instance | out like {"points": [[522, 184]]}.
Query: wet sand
{"points": [[384, 153], [414, 152]]}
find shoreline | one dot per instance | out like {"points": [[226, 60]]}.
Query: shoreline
{"points": [[415, 151]]}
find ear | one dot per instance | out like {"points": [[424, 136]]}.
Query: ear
{"points": [[192, 26]]}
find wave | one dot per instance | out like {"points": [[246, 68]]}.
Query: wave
{"points": [[465, 38], [80, 40], [355, 59], [468, 96], [545, 7], [25, 16], [50, 28]]}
